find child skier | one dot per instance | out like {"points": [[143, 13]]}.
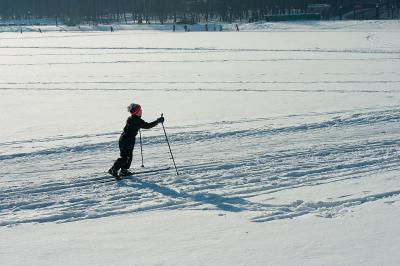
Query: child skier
{"points": [[128, 138]]}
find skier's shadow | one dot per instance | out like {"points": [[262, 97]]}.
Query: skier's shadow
{"points": [[222, 203]]}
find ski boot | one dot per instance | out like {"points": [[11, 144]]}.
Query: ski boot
{"points": [[114, 172], [125, 172]]}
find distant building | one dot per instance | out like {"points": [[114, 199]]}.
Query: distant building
{"points": [[318, 8], [321, 9]]}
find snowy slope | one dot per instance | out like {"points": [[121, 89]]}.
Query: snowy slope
{"points": [[176, 237], [291, 131]]}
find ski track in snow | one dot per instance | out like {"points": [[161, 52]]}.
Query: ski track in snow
{"points": [[387, 50], [231, 166], [276, 159]]}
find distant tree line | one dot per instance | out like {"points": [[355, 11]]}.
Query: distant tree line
{"points": [[146, 11]]}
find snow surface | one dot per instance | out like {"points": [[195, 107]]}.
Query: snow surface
{"points": [[286, 136]]}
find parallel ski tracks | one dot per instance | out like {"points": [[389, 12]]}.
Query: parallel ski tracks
{"points": [[60, 186], [225, 184]]}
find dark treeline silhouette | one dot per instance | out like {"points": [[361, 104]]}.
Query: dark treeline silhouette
{"points": [[144, 11]]}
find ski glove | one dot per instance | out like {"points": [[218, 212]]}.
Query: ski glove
{"points": [[161, 120]]}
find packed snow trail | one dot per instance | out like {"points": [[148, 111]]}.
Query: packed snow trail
{"points": [[64, 184]]}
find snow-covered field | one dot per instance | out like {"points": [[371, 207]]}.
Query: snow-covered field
{"points": [[286, 137]]}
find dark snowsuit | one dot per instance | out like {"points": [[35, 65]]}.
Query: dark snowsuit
{"points": [[128, 138]]}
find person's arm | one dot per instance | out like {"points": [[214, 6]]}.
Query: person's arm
{"points": [[145, 125]]}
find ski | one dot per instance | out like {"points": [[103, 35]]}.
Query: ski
{"points": [[141, 173]]}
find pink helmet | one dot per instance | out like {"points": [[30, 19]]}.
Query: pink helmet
{"points": [[135, 109]]}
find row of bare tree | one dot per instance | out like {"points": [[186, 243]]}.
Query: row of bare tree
{"points": [[179, 11]]}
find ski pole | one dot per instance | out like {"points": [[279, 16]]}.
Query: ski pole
{"points": [[141, 147], [169, 146]]}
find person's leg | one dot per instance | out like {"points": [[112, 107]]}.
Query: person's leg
{"points": [[125, 158], [128, 154]]}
